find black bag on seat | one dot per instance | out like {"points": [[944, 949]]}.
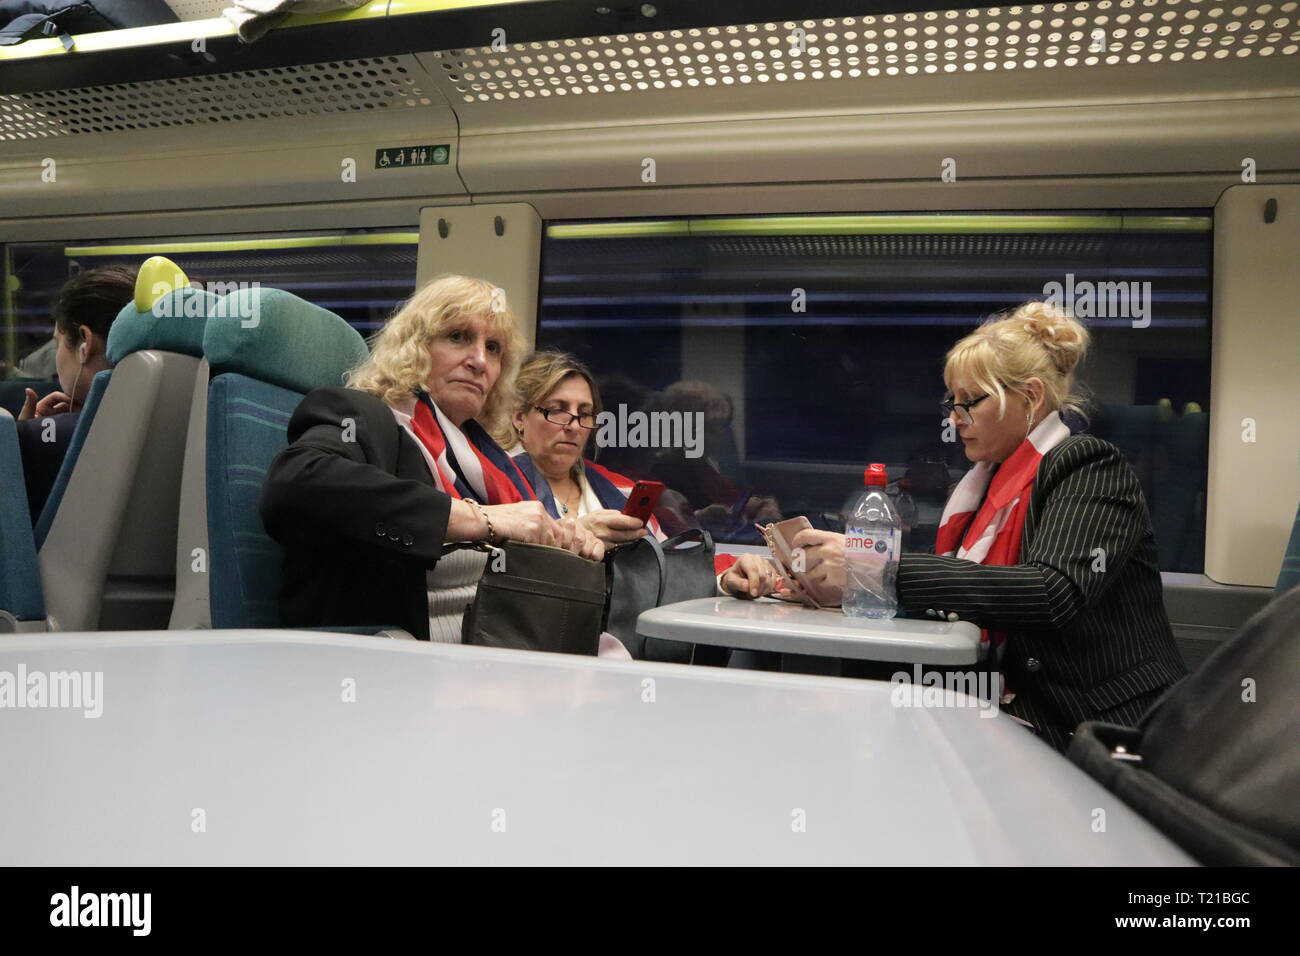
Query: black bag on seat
{"points": [[1213, 763], [650, 573], [541, 599], [30, 19]]}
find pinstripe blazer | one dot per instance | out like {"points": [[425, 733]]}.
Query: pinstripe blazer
{"points": [[1087, 633]]}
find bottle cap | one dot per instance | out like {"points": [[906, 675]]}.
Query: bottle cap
{"points": [[875, 475]]}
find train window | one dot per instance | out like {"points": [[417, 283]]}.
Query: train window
{"points": [[809, 346], [360, 275]]}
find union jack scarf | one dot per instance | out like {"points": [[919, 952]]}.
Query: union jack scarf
{"points": [[992, 535], [611, 488], [465, 461]]}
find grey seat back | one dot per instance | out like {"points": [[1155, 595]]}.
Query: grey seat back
{"points": [[108, 561]]}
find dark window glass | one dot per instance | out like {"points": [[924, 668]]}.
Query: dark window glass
{"points": [[362, 276], [796, 403]]}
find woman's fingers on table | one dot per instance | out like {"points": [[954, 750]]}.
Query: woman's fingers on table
{"points": [[750, 577]]}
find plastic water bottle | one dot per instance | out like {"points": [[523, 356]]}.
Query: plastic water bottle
{"points": [[873, 542]]}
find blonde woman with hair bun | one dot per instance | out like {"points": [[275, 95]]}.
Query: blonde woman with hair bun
{"points": [[380, 474], [1045, 543]]}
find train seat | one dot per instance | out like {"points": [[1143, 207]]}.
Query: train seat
{"points": [[1289, 575], [106, 536], [259, 372], [22, 607]]}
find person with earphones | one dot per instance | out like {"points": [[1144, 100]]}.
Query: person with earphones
{"points": [[86, 307]]}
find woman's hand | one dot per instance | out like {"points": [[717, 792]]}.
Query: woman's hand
{"points": [[818, 558], [525, 521], [55, 403], [571, 535], [750, 577], [613, 527]]}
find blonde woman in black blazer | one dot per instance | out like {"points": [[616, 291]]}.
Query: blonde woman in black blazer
{"points": [[1078, 618]]}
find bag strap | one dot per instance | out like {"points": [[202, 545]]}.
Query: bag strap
{"points": [[690, 534], [661, 564]]}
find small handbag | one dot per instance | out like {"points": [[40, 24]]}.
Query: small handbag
{"points": [[537, 598], [648, 573]]}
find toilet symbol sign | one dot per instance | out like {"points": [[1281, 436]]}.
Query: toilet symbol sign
{"points": [[399, 157]]}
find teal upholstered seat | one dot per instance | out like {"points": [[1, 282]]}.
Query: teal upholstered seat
{"points": [[266, 348], [20, 583], [1289, 576]]}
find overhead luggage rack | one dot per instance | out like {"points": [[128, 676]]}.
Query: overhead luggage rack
{"points": [[519, 50]]}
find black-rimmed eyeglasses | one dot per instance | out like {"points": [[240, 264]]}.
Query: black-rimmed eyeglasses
{"points": [[558, 416], [961, 408]]}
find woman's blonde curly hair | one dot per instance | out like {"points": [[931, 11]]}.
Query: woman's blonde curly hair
{"points": [[1035, 340], [399, 353]]}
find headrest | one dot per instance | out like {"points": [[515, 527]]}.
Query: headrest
{"points": [[166, 314], [275, 337]]}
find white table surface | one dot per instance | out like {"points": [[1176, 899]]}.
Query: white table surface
{"points": [[769, 624], [583, 760]]}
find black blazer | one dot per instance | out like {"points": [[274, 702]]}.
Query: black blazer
{"points": [[361, 521], [1081, 644]]}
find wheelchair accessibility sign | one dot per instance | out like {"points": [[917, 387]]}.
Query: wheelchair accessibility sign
{"points": [[399, 157]]}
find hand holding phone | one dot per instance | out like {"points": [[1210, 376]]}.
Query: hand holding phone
{"points": [[642, 499]]}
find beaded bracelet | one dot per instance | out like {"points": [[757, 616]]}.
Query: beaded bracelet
{"points": [[491, 535]]}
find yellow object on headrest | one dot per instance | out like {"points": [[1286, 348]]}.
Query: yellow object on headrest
{"points": [[158, 276], [1192, 408]]}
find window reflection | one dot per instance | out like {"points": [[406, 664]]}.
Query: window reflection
{"points": [[809, 356]]}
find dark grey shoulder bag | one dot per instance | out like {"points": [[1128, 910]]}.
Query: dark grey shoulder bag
{"points": [[650, 573]]}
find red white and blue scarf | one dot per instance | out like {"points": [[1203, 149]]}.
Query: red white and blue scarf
{"points": [[466, 462], [609, 487]]}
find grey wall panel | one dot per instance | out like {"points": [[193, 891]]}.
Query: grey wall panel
{"points": [[1169, 139], [1254, 482], [233, 166], [511, 259], [229, 220], [1046, 192]]}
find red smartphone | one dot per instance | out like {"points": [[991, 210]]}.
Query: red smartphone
{"points": [[642, 499]]}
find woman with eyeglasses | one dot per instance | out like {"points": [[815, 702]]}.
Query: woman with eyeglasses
{"points": [[555, 414], [1045, 543], [380, 475]]}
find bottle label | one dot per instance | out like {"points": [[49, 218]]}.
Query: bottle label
{"points": [[860, 544]]}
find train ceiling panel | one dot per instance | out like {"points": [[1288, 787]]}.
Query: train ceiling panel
{"points": [[278, 93], [548, 96], [1039, 37], [973, 58]]}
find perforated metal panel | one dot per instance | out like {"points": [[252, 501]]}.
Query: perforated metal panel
{"points": [[1037, 37], [197, 9], [381, 83]]}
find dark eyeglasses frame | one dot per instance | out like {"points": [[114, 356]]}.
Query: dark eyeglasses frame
{"points": [[568, 417], [949, 405]]}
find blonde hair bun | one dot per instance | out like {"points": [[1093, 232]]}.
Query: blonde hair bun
{"points": [[1033, 340], [1064, 338]]}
